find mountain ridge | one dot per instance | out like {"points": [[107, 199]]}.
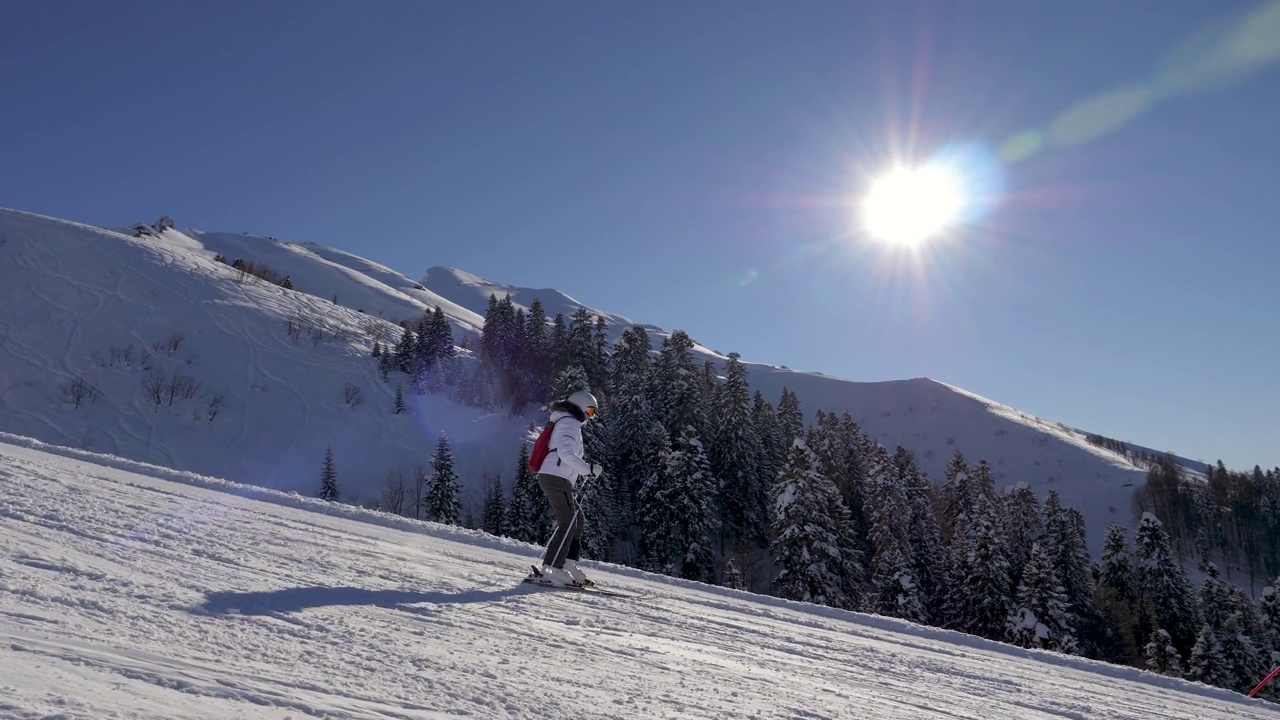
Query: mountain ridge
{"points": [[146, 287]]}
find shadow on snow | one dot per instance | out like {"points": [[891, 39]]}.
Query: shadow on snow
{"points": [[301, 598]]}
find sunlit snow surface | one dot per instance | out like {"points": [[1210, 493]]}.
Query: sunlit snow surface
{"points": [[157, 594]]}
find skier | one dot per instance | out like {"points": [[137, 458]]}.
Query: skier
{"points": [[557, 476]]}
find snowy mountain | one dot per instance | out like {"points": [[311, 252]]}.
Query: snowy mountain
{"points": [[129, 590], [290, 370], [194, 365]]}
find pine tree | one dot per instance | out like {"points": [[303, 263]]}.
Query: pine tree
{"points": [[1115, 592], [328, 478], [632, 454], [494, 512], [441, 333], [1206, 663], [743, 502], [528, 514], [854, 464], [679, 390], [710, 386], [433, 348], [1161, 656], [1249, 617], [692, 505], [442, 500], [501, 347], [1064, 538], [894, 588], [377, 349], [1213, 599], [570, 381], [1244, 662], [559, 345], [679, 516], [981, 596], [1024, 524], [597, 495], [1165, 598], [957, 496], [770, 453], [928, 557], [733, 576], [840, 447], [1269, 612], [1115, 642], [790, 417], [595, 498], [1039, 618], [517, 371], [600, 357], [813, 545], [583, 351], [537, 361], [404, 351], [1207, 507], [386, 364], [1115, 569], [400, 407]]}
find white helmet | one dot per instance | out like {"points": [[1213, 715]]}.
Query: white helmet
{"points": [[585, 401]]}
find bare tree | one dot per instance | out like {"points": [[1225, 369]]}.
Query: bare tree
{"points": [[419, 489], [97, 358], [122, 356], [215, 405], [169, 346], [352, 394], [181, 387], [78, 390], [394, 491], [153, 386]]}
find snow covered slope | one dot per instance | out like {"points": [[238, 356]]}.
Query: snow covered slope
{"points": [[153, 594], [69, 294], [472, 292], [116, 311], [329, 273]]}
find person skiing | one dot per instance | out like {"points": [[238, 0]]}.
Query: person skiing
{"points": [[557, 476]]}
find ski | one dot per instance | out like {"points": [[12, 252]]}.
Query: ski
{"points": [[535, 579]]}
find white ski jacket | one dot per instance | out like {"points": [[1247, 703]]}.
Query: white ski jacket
{"points": [[564, 457]]}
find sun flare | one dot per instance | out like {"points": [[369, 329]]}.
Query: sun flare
{"points": [[911, 205]]}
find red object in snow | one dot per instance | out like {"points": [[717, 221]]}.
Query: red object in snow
{"points": [[1265, 680]]}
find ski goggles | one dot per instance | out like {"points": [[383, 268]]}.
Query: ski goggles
{"points": [[591, 412]]}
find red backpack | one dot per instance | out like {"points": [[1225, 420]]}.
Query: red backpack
{"points": [[541, 448]]}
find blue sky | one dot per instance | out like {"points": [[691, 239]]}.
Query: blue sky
{"points": [[696, 166]]}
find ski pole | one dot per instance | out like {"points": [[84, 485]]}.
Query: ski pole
{"points": [[1265, 680]]}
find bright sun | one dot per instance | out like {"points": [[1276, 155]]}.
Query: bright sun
{"points": [[908, 206]]}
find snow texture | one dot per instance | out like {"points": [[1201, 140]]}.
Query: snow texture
{"points": [[149, 593]]}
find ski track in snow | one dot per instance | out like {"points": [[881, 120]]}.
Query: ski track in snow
{"points": [[124, 595]]}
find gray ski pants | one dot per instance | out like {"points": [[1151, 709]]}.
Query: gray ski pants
{"points": [[566, 541]]}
